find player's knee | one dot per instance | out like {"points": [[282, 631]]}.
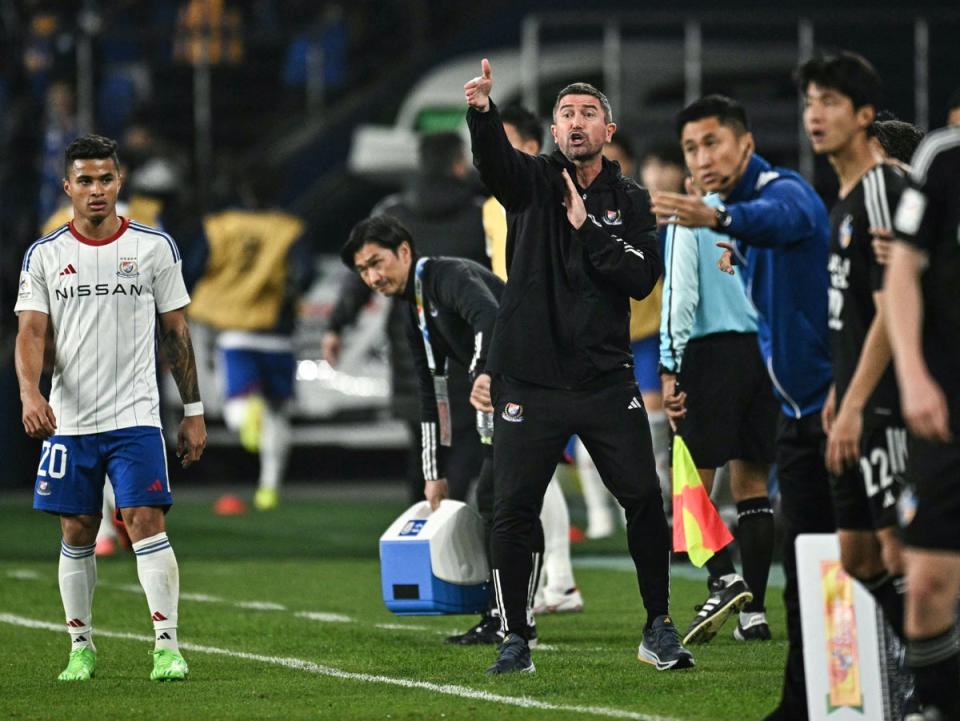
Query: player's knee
{"points": [[234, 412], [143, 522], [79, 530], [892, 554], [861, 562]]}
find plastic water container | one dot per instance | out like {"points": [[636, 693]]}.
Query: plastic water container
{"points": [[433, 563]]}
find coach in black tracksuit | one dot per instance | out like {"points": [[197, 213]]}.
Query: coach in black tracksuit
{"points": [[560, 354]]}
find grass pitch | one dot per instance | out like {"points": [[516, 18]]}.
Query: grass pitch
{"points": [[281, 617]]}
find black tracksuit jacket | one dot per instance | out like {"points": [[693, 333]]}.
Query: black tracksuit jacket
{"points": [[565, 314], [460, 298]]}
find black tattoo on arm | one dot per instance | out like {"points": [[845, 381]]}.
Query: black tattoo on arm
{"points": [[178, 351]]}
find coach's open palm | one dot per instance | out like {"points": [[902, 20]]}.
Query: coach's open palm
{"points": [[477, 91], [191, 440]]}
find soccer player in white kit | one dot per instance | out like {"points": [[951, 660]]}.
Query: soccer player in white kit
{"points": [[100, 282]]}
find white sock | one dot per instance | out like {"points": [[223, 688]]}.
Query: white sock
{"points": [[595, 495], [78, 576], [274, 447], [555, 518], [107, 529], [160, 579], [660, 435]]}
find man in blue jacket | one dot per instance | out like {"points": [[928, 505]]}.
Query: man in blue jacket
{"points": [[780, 233]]}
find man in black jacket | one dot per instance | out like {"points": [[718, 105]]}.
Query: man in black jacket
{"points": [[581, 242], [443, 211], [450, 308]]}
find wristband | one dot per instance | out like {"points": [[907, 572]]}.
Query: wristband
{"points": [[192, 409]]}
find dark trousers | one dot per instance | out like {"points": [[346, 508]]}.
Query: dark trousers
{"points": [[532, 425], [807, 508]]}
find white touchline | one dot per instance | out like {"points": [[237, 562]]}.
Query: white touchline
{"points": [[310, 667], [325, 617]]}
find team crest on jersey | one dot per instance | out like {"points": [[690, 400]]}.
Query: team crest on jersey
{"points": [[128, 268], [512, 412], [43, 488], [612, 217], [846, 231], [25, 291]]}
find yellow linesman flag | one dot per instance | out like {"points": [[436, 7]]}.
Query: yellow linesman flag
{"points": [[697, 527]]}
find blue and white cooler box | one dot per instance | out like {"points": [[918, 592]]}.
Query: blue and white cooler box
{"points": [[433, 563]]}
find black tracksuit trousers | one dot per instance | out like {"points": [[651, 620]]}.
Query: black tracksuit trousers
{"points": [[532, 425]]}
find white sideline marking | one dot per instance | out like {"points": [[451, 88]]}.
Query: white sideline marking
{"points": [[400, 627], [23, 574], [261, 606], [310, 667], [325, 617]]}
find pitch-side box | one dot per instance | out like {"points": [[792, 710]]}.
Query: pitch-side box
{"points": [[433, 563]]}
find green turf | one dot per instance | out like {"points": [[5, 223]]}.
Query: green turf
{"points": [[319, 557]]}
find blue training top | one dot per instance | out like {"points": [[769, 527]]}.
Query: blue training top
{"points": [[783, 234], [698, 299]]}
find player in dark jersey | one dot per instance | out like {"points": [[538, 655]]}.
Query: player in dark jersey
{"points": [[866, 446], [923, 320]]}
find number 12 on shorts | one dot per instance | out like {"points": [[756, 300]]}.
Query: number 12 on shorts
{"points": [[53, 460]]}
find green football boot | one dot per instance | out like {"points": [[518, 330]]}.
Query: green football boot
{"points": [[168, 666], [81, 665]]}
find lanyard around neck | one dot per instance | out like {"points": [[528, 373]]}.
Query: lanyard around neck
{"points": [[422, 319]]}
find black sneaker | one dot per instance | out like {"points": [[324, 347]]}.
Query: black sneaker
{"points": [[661, 646], [756, 628], [928, 713], [723, 600], [513, 656], [486, 632]]}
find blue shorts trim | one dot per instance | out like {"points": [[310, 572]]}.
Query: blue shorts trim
{"points": [[73, 469], [267, 373], [646, 357]]}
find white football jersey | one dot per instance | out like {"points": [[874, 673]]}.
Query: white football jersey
{"points": [[103, 297]]}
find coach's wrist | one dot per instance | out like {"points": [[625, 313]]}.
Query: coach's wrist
{"points": [[192, 409]]}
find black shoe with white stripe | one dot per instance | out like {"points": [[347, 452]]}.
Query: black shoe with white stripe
{"points": [[724, 600], [486, 632], [661, 647], [513, 656]]}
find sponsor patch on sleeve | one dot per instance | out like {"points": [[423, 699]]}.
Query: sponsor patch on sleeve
{"points": [[25, 291], [913, 204]]}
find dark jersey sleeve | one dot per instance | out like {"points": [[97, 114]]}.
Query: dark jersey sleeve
{"points": [[457, 286], [629, 258], [434, 454], [512, 176], [920, 210], [354, 294], [881, 194]]}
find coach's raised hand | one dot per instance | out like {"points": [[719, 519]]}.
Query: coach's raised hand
{"points": [[477, 91]]}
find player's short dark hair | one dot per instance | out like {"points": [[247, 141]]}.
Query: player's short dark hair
{"points": [[848, 73], [440, 152], [383, 230], [90, 147], [726, 110], [622, 141], [953, 102], [527, 124], [899, 139], [585, 89], [666, 150]]}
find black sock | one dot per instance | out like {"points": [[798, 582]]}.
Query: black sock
{"points": [[720, 563], [887, 591], [935, 663], [755, 536]]}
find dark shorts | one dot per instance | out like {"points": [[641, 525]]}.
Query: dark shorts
{"points": [[865, 497], [731, 410], [73, 469], [930, 504], [266, 373]]}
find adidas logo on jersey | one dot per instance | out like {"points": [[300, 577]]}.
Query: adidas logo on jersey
{"points": [[634, 404], [155, 487], [69, 270]]}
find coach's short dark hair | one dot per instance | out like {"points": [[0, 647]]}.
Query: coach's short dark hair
{"points": [[527, 124], [845, 72], [585, 89], [898, 139], [90, 147], [383, 230], [440, 152], [726, 110]]}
